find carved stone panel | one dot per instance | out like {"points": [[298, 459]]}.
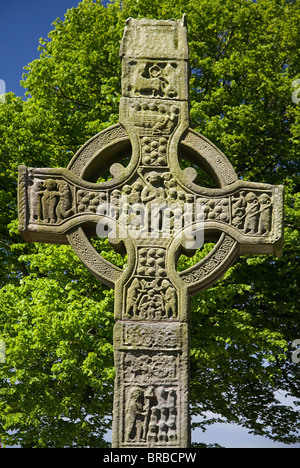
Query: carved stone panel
{"points": [[51, 201], [154, 336], [152, 78], [150, 366], [248, 211], [153, 118], [152, 370], [151, 416], [150, 336], [150, 299]]}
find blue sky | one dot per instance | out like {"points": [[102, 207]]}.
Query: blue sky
{"points": [[22, 23]]}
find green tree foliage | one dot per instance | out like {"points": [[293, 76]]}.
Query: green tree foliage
{"points": [[56, 319]]}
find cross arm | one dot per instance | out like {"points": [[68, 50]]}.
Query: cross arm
{"points": [[251, 213], [58, 207], [53, 201], [243, 218]]}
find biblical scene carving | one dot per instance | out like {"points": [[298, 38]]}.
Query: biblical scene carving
{"points": [[152, 79], [154, 204], [252, 212], [248, 211], [142, 367], [167, 208], [52, 201], [151, 415], [150, 300], [151, 336], [153, 118]]}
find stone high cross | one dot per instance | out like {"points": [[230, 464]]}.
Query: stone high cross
{"points": [[153, 210]]}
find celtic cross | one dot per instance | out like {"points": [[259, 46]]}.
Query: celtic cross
{"points": [[153, 210]]}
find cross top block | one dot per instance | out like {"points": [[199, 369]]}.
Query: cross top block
{"points": [[154, 210]]}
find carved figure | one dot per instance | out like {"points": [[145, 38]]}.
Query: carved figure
{"points": [[169, 74], [154, 120], [151, 415], [252, 213], [265, 218], [153, 195], [169, 181], [151, 299], [169, 298], [135, 195], [151, 305], [153, 189], [238, 212], [155, 79], [133, 296], [64, 206], [148, 80], [115, 198], [166, 120], [135, 416], [49, 200]]}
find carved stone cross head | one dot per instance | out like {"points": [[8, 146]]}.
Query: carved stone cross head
{"points": [[153, 210]]}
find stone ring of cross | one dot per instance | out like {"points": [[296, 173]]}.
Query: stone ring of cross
{"points": [[152, 208], [114, 142]]}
